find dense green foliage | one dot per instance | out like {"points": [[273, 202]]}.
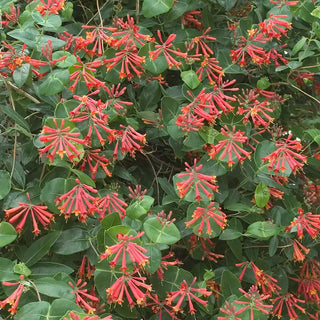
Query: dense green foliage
{"points": [[159, 159]]}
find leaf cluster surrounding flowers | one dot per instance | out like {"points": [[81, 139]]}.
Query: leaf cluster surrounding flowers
{"points": [[160, 159]]}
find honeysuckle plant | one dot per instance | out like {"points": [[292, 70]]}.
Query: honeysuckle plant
{"points": [[159, 159]]}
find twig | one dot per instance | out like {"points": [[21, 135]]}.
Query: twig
{"points": [[155, 177], [22, 92], [99, 12], [15, 133], [137, 11]]}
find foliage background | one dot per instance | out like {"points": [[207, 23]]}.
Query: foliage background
{"points": [[149, 134]]}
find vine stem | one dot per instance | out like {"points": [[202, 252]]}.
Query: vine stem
{"points": [[36, 289], [99, 13], [15, 133], [137, 11]]}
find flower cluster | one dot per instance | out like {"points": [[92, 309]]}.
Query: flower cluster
{"points": [[19, 215], [201, 183]]}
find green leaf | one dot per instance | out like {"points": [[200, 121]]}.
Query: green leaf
{"points": [[316, 12], [227, 4], [299, 45], [54, 288], [15, 116], [230, 234], [161, 233], [230, 284], [39, 248], [151, 8], [21, 268], [262, 195], [154, 255], [69, 61], [53, 189], [169, 108], [50, 22], [60, 307], [262, 230], [55, 82], [263, 83], [6, 270], [5, 185], [84, 178], [111, 220], [273, 245], [190, 78], [315, 134], [44, 269], [7, 233], [71, 241], [20, 75], [33, 311], [173, 277]]}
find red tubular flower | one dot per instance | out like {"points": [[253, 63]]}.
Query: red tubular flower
{"points": [[196, 180], [84, 71], [92, 111], [200, 43], [267, 283], [129, 286], [82, 295], [285, 155], [189, 122], [37, 212], [73, 316], [78, 201], [164, 264], [47, 53], [190, 19], [114, 92], [126, 34], [306, 222], [206, 246], [309, 287], [248, 50], [160, 307], [291, 303], [212, 69], [130, 61], [253, 301], [126, 247], [186, 291], [13, 59], [274, 27], [231, 312], [51, 7], [85, 265], [212, 215], [251, 107], [299, 251], [14, 14], [129, 140], [14, 298], [284, 2], [207, 106], [231, 146], [60, 141], [111, 203], [165, 49], [94, 161], [98, 37]]}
